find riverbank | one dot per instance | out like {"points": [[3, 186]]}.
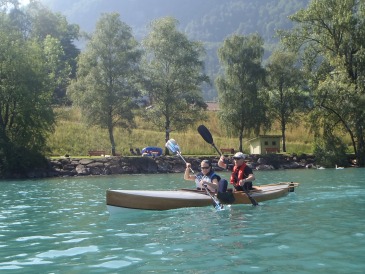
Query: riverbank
{"points": [[68, 166]]}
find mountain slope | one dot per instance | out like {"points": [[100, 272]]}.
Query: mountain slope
{"points": [[209, 21]]}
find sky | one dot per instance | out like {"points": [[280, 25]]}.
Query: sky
{"points": [[24, 2]]}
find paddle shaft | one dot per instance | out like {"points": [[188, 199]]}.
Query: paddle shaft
{"points": [[178, 153], [174, 148], [207, 136], [253, 201], [219, 152]]}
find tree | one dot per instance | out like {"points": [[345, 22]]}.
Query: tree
{"points": [[43, 24], [26, 116], [58, 70], [173, 73], [330, 34], [242, 110], [4, 4], [107, 75], [330, 150], [285, 95]]}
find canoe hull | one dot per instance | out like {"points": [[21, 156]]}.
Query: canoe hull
{"points": [[172, 199], [156, 200]]}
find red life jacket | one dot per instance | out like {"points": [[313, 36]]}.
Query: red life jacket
{"points": [[238, 174]]}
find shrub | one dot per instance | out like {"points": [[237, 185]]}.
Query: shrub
{"points": [[329, 151]]}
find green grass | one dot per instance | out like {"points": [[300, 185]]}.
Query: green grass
{"points": [[72, 137]]}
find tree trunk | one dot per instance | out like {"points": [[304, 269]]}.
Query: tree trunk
{"points": [[111, 138], [360, 152], [240, 139], [167, 135], [283, 134]]}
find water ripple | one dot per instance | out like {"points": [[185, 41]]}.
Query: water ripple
{"points": [[63, 226], [68, 252]]}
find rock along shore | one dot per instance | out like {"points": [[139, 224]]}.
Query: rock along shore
{"points": [[68, 166]]}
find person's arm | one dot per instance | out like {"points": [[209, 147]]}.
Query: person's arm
{"points": [[250, 177], [187, 175], [221, 162], [214, 183]]}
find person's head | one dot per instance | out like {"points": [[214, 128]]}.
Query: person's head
{"points": [[206, 166], [239, 158]]}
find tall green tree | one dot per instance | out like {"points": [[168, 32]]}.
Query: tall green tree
{"points": [[330, 34], [26, 116], [174, 73], [42, 24], [284, 90], [241, 110], [107, 76]]}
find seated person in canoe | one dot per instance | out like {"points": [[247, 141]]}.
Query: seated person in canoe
{"points": [[242, 175], [206, 176]]}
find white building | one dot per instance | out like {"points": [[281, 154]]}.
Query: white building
{"points": [[265, 144]]}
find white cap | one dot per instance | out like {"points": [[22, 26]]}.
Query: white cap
{"points": [[239, 155]]}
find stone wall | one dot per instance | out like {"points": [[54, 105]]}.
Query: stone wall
{"points": [[69, 166]]}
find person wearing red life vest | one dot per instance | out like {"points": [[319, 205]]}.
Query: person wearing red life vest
{"points": [[242, 175]]}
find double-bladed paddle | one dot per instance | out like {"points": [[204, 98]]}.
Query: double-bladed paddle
{"points": [[207, 136], [175, 149]]}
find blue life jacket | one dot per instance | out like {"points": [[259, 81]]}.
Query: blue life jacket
{"points": [[210, 175]]}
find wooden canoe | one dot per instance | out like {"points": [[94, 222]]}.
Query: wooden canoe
{"points": [[172, 199]]}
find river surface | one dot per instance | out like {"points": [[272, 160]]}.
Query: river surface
{"points": [[63, 226]]}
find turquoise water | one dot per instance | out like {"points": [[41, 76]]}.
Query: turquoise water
{"points": [[63, 226]]}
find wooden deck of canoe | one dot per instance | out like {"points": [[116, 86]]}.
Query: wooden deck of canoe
{"points": [[172, 199]]}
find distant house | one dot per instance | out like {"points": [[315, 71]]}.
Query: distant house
{"points": [[265, 144]]}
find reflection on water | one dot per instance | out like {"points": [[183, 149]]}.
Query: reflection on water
{"points": [[63, 226]]}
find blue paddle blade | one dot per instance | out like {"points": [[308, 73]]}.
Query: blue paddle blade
{"points": [[172, 146], [218, 207]]}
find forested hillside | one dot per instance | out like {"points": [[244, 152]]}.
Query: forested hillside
{"points": [[210, 21], [207, 20]]}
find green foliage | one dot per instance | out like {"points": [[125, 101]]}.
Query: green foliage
{"points": [[241, 110], [18, 160], [59, 71], [107, 76], [284, 93], [38, 57], [58, 36], [26, 115], [330, 151], [173, 71], [209, 21], [330, 34]]}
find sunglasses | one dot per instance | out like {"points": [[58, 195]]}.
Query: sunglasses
{"points": [[205, 167], [236, 158]]}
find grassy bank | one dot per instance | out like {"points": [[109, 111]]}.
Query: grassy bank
{"points": [[72, 137]]}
